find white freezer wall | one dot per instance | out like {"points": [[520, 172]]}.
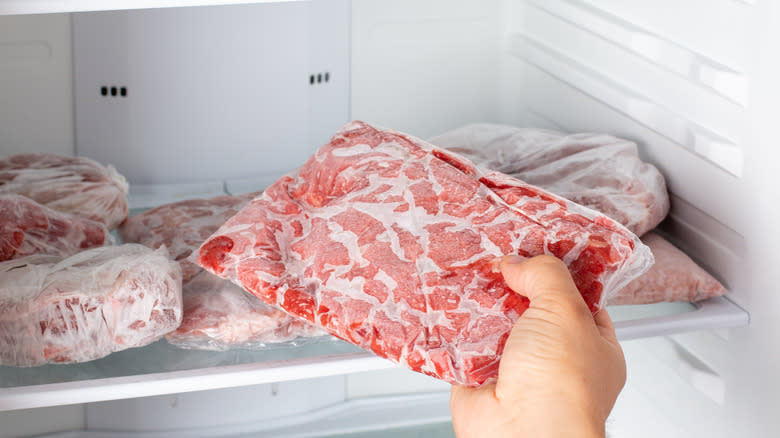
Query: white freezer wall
{"points": [[695, 84], [36, 85]]}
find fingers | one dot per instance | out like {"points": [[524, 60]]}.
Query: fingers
{"points": [[546, 282], [605, 325]]}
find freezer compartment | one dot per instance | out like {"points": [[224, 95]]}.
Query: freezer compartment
{"points": [[163, 369]]}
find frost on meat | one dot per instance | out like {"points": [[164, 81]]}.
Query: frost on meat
{"points": [[55, 310], [596, 170], [182, 226], [27, 228], [673, 277], [74, 185], [390, 243], [219, 315]]}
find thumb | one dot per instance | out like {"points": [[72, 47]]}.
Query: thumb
{"points": [[546, 282]]}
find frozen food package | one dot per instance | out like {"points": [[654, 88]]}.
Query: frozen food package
{"points": [[75, 185], [673, 277], [219, 315], [392, 244], [182, 226], [84, 307], [28, 228], [599, 171]]}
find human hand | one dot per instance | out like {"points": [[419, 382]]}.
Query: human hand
{"points": [[561, 371]]}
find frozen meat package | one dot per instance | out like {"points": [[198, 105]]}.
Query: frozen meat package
{"points": [[392, 244], [84, 307], [28, 228], [217, 314], [75, 185], [599, 171], [673, 277], [182, 226]]}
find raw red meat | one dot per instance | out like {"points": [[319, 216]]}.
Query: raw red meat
{"points": [[55, 310], [182, 226], [219, 315], [74, 185], [391, 244], [27, 228], [596, 170], [673, 277]]}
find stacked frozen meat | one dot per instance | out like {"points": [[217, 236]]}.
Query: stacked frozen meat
{"points": [[604, 173], [381, 239], [218, 314], [66, 293]]}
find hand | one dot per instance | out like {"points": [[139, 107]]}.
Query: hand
{"points": [[561, 370]]}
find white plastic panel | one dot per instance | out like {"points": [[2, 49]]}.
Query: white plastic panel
{"points": [[426, 67], [14, 7], [212, 93], [410, 416], [36, 93], [227, 408]]}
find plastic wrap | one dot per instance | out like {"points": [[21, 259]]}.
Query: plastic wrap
{"points": [[27, 228], [182, 226], [74, 185], [86, 306], [391, 243], [596, 170], [673, 277], [218, 315]]}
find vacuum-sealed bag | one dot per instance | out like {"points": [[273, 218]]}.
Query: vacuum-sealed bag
{"points": [[599, 171], [55, 310], [392, 244], [673, 277], [219, 315], [28, 228], [74, 185]]}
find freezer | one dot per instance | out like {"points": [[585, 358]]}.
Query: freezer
{"points": [[193, 99]]}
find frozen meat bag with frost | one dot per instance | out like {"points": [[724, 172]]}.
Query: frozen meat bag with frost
{"points": [[391, 243], [182, 226], [598, 171], [217, 314], [55, 310], [673, 277], [28, 228], [74, 185]]}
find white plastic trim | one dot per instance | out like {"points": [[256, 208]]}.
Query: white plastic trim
{"points": [[19, 7], [713, 313]]}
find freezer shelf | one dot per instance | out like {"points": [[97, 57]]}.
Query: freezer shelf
{"points": [[160, 368]]}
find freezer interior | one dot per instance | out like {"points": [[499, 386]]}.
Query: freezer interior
{"points": [[195, 98]]}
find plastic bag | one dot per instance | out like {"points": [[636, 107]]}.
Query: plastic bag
{"points": [[86, 306], [392, 244], [27, 228], [673, 277], [182, 226], [218, 315], [596, 170], [74, 185]]}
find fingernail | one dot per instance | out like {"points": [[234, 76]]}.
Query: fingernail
{"points": [[514, 259]]}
